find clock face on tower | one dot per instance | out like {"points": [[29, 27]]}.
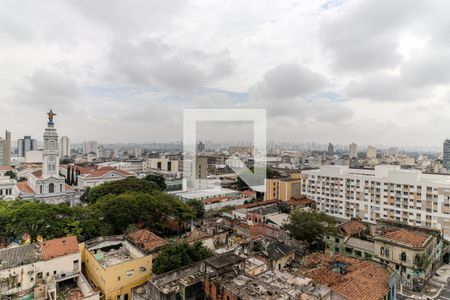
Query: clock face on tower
{"points": [[51, 159]]}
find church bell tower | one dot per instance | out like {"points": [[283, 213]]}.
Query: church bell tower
{"points": [[50, 164]]}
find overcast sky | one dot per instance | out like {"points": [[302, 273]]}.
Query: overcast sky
{"points": [[372, 71]]}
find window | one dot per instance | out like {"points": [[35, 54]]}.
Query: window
{"points": [[336, 250], [51, 188], [358, 253], [337, 240], [403, 256], [382, 251]]}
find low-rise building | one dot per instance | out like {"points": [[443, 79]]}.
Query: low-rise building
{"points": [[351, 278], [206, 194], [283, 189], [96, 177], [412, 252], [44, 270], [8, 190], [115, 265]]}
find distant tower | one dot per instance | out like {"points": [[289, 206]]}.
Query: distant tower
{"points": [[5, 150], [371, 152], [64, 146], [352, 151], [90, 146], [200, 147], [330, 149], [50, 164], [446, 154], [26, 144]]}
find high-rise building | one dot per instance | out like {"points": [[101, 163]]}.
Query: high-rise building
{"points": [[352, 151], [90, 147], [330, 149], [101, 153], [26, 144], [64, 146], [201, 147], [371, 152], [5, 149], [446, 154], [387, 192]]}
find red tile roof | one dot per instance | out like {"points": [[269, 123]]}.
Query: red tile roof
{"points": [[37, 174], [24, 187], [146, 239], [215, 200], [408, 237], [360, 276], [256, 204], [301, 202], [352, 227], [83, 170], [59, 247], [103, 171]]}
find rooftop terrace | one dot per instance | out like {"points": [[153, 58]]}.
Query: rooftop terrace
{"points": [[113, 250]]}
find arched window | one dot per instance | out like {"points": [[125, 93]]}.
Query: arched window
{"points": [[403, 256], [386, 252], [382, 251], [51, 188]]}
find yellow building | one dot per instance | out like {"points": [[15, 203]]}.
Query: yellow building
{"points": [[283, 188], [115, 266]]}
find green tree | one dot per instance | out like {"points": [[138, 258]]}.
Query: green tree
{"points": [[11, 174], [284, 208], [159, 180], [149, 210], [198, 208], [178, 255], [127, 185], [310, 226]]}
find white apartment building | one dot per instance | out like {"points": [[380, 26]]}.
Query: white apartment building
{"points": [[352, 151], [64, 146], [388, 192], [90, 146]]}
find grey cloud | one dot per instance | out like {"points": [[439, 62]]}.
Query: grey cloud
{"points": [[154, 62], [364, 35], [331, 112], [46, 88], [288, 81], [129, 17], [13, 26], [430, 67], [384, 86]]}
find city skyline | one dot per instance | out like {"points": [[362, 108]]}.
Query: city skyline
{"points": [[127, 77]]}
